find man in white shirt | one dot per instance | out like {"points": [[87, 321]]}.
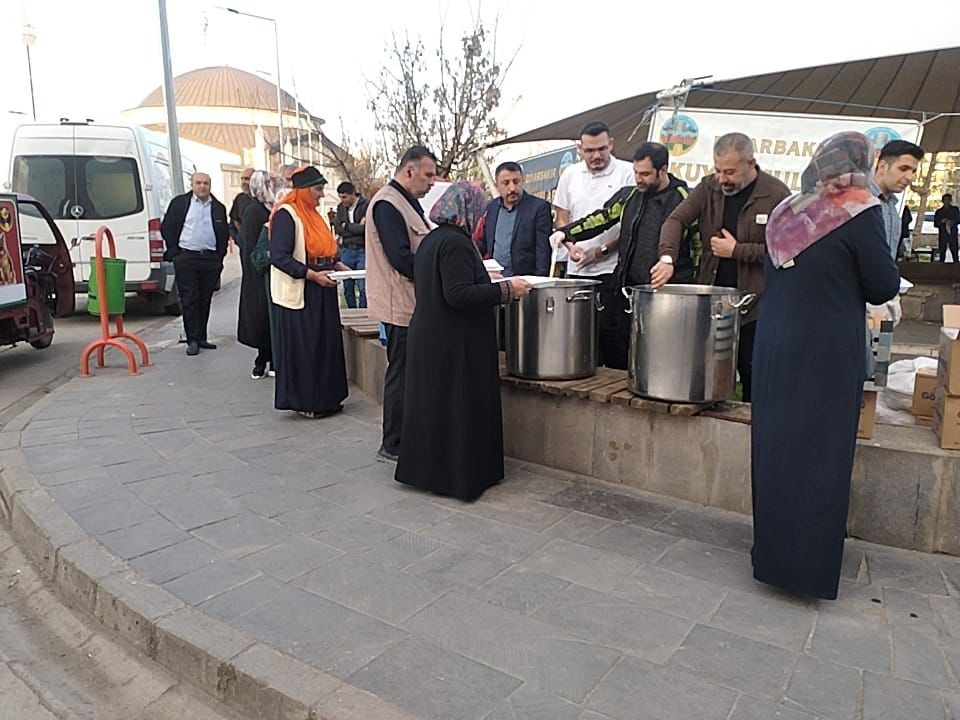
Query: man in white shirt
{"points": [[195, 232], [584, 188]]}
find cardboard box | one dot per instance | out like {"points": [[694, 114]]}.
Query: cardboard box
{"points": [[948, 357], [924, 385], [868, 414], [946, 420]]}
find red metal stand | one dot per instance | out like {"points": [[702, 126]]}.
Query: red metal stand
{"points": [[106, 337]]}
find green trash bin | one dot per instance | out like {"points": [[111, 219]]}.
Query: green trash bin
{"points": [[115, 275]]}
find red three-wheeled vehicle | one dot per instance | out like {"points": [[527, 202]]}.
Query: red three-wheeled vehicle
{"points": [[36, 274]]}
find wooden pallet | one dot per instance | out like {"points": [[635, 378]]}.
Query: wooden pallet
{"points": [[607, 386], [738, 412], [607, 393]]}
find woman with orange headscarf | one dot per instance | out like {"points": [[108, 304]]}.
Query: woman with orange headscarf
{"points": [[311, 373]]}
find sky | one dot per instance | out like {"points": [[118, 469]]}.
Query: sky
{"points": [[96, 58]]}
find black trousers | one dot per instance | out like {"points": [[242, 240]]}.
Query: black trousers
{"points": [[264, 357], [393, 383], [618, 350], [748, 333], [945, 242], [198, 275], [614, 343]]}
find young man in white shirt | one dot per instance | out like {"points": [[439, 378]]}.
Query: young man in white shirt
{"points": [[583, 188]]}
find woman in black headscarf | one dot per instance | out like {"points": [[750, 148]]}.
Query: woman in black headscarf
{"points": [[452, 436], [827, 256]]}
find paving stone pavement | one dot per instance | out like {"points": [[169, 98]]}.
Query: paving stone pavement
{"points": [[552, 597]]}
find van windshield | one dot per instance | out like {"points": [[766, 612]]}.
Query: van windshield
{"points": [[79, 186]]}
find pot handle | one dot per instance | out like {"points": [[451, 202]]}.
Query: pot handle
{"points": [[580, 296], [744, 302], [628, 294]]}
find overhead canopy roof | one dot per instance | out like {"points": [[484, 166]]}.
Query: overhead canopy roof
{"points": [[909, 86]]}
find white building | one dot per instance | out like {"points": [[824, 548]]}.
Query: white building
{"points": [[228, 121]]}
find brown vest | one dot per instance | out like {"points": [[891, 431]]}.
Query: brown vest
{"points": [[390, 297]]}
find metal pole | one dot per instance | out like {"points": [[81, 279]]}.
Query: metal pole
{"points": [[170, 103], [296, 103], [276, 45], [33, 105]]}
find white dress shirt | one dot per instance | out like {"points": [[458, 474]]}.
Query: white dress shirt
{"points": [[197, 233]]}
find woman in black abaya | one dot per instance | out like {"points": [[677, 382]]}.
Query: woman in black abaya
{"points": [[827, 257], [311, 373], [253, 326], [452, 437]]}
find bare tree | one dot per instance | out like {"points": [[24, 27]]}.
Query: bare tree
{"points": [[363, 163], [449, 106]]}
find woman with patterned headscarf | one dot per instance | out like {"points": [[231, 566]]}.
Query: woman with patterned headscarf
{"points": [[827, 256], [253, 326], [451, 439]]}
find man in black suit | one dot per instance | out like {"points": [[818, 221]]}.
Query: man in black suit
{"points": [[517, 226], [195, 231]]}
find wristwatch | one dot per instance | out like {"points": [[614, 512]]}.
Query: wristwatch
{"points": [[604, 250], [666, 260]]}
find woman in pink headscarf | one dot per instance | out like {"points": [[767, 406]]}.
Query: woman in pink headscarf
{"points": [[827, 257]]}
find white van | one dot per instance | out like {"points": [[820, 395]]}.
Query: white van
{"points": [[88, 175]]}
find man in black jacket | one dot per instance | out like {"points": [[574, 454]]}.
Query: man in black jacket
{"points": [[640, 210], [195, 231], [350, 227], [240, 202], [517, 226]]}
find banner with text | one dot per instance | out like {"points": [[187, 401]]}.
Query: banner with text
{"points": [[783, 143]]}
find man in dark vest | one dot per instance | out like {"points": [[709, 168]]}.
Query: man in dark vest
{"points": [[195, 231]]}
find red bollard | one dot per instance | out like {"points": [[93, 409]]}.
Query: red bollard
{"points": [[108, 338]]}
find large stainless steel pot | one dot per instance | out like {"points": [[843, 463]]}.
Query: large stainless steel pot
{"points": [[683, 341], [551, 334]]}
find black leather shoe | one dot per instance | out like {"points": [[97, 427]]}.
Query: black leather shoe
{"points": [[204, 345], [192, 348]]}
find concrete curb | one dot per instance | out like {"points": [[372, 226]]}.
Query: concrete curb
{"points": [[236, 669]]}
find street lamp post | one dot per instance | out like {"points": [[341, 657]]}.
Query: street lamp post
{"points": [[29, 38], [276, 45], [170, 101]]}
